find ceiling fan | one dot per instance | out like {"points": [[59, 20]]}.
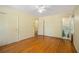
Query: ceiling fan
{"points": [[41, 8]]}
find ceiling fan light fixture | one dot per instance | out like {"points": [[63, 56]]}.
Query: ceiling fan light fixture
{"points": [[41, 10]]}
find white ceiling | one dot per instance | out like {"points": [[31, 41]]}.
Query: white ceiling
{"points": [[50, 9]]}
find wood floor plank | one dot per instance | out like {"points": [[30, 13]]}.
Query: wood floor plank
{"points": [[40, 44]]}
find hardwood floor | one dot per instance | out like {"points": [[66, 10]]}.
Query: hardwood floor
{"points": [[40, 45]]}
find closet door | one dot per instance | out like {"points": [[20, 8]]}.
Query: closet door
{"points": [[50, 26], [45, 27], [41, 27], [8, 28]]}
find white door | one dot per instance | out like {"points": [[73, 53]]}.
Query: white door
{"points": [[49, 27], [45, 27], [8, 29]]}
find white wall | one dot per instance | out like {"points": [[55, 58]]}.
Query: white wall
{"points": [[26, 26], [52, 26], [76, 35], [12, 21], [9, 26]]}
